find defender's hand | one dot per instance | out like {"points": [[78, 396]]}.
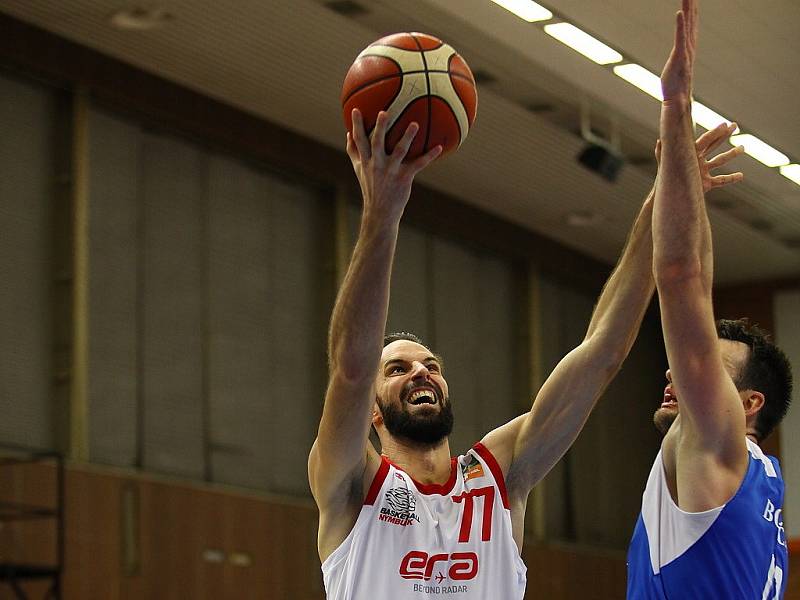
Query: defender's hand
{"points": [[676, 78], [384, 178]]}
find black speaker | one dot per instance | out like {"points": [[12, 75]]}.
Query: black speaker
{"points": [[602, 160]]}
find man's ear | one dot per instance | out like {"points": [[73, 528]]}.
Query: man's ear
{"points": [[753, 402]]}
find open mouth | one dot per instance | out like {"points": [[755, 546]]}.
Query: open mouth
{"points": [[422, 396], [670, 400]]}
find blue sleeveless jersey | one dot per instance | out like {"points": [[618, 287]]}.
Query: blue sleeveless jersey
{"points": [[736, 551]]}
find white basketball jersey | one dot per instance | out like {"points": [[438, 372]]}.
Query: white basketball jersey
{"points": [[431, 541]]}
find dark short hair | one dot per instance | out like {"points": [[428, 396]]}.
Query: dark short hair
{"points": [[411, 337], [402, 335], [767, 370]]}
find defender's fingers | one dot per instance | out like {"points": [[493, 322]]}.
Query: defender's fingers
{"points": [[725, 157], [401, 148], [680, 34], [360, 136], [426, 159]]}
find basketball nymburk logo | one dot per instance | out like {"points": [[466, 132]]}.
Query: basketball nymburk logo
{"points": [[398, 509]]}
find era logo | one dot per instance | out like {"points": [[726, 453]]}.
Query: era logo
{"points": [[418, 565]]}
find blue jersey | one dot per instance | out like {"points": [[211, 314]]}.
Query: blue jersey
{"points": [[736, 551]]}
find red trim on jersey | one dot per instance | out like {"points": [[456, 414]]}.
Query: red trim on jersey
{"points": [[433, 488], [497, 472], [377, 482]]}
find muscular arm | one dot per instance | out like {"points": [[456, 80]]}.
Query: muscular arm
{"points": [[710, 433], [529, 446], [341, 451]]}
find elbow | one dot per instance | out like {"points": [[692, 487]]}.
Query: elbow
{"points": [[607, 353], [677, 273]]}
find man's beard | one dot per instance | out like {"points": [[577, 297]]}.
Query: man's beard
{"points": [[428, 429], [663, 419]]}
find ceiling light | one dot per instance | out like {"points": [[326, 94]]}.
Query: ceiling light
{"points": [[641, 78], [140, 19], [582, 42], [759, 150], [707, 118], [526, 10], [791, 172]]}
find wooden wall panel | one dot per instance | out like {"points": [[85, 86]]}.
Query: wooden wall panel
{"points": [[266, 548], [567, 573], [92, 536]]}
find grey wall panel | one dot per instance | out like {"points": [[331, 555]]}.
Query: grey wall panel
{"points": [[409, 305], [564, 318], [113, 200], [266, 355], [455, 335], [173, 191], [497, 381], [239, 324], [297, 336], [26, 191], [593, 494]]}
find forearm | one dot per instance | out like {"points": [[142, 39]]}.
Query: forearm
{"points": [[681, 240], [628, 291], [359, 315]]}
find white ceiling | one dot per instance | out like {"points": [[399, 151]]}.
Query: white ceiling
{"points": [[284, 60]]}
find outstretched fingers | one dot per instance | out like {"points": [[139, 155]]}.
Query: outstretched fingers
{"points": [[725, 157], [423, 161], [727, 179], [379, 133], [359, 136], [402, 147], [714, 137]]}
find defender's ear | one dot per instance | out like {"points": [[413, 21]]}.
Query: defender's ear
{"points": [[753, 402]]}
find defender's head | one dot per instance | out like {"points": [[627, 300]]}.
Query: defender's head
{"points": [[411, 392], [758, 368]]}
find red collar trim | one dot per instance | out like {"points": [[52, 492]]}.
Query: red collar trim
{"points": [[431, 488]]}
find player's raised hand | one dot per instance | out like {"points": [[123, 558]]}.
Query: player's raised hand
{"points": [[384, 178], [704, 145], [676, 78]]}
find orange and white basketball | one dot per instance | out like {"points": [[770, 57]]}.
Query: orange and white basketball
{"points": [[413, 77]]}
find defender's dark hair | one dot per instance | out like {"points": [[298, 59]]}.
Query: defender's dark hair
{"points": [[767, 370]]}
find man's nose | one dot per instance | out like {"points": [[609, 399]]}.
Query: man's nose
{"points": [[418, 370]]}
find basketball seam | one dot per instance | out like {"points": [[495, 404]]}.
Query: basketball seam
{"points": [[427, 94], [452, 112], [401, 74], [361, 87]]}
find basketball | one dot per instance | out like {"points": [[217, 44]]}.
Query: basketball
{"points": [[413, 77]]}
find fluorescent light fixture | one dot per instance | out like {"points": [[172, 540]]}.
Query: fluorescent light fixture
{"points": [[526, 10], [706, 117], [582, 42], [759, 150], [791, 172], [642, 78]]}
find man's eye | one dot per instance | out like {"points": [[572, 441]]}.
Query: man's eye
{"points": [[395, 370], [433, 367]]}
